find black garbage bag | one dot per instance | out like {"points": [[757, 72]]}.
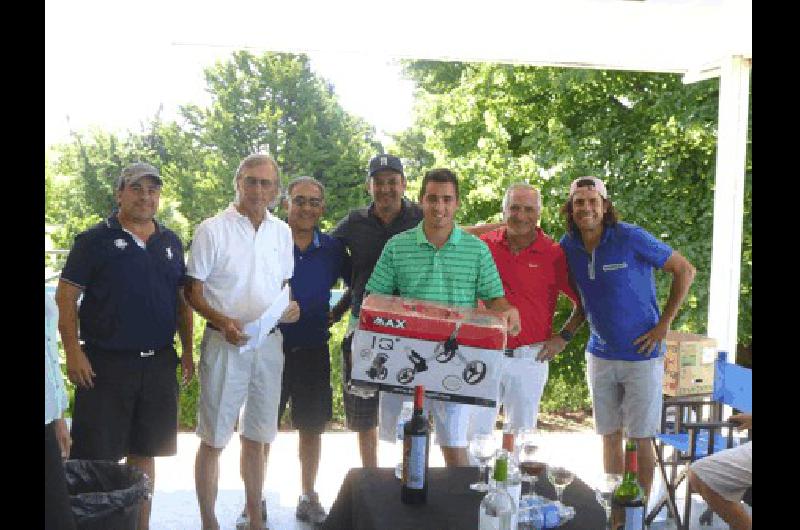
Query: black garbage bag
{"points": [[105, 495]]}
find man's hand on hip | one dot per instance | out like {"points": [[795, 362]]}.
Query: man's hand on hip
{"points": [[649, 340]]}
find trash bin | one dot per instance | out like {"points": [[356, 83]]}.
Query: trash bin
{"points": [[105, 495]]}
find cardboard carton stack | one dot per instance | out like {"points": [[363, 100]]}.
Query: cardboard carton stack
{"points": [[689, 364]]}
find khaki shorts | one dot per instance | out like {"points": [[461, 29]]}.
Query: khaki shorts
{"points": [[626, 395], [230, 379], [729, 472]]}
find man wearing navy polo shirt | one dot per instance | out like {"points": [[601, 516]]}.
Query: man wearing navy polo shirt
{"points": [[612, 264], [364, 232], [319, 261], [130, 271]]}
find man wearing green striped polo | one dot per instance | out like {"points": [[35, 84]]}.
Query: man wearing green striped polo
{"points": [[440, 262]]}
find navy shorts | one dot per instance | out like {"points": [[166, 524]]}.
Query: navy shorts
{"points": [[132, 408], [307, 382]]}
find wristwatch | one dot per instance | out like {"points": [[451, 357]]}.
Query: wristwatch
{"points": [[566, 335]]}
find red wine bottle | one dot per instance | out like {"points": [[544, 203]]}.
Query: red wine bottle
{"points": [[416, 448]]}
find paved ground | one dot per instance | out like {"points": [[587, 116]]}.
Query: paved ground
{"points": [[175, 504]]}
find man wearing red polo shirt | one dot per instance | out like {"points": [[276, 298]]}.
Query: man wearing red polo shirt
{"points": [[533, 269]]}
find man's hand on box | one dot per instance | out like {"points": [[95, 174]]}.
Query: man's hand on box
{"points": [[513, 321]]}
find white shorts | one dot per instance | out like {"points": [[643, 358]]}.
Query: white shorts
{"points": [[626, 395], [229, 379], [450, 420], [522, 381], [729, 472]]}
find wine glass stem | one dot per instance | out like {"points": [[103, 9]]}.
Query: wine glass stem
{"points": [[484, 477], [559, 493], [608, 518]]}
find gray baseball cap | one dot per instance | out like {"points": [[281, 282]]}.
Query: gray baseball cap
{"points": [[135, 172]]}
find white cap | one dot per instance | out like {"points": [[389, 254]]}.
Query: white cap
{"points": [[598, 185]]}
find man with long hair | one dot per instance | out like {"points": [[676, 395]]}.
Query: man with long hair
{"points": [[612, 265]]}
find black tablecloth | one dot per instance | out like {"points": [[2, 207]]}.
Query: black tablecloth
{"points": [[369, 499]]}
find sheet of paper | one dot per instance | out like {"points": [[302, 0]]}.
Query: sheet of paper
{"points": [[259, 328]]}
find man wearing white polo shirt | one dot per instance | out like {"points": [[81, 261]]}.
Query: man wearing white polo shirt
{"points": [[240, 260]]}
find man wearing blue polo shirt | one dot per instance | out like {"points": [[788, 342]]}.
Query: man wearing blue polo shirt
{"points": [[130, 271], [319, 261], [612, 264]]}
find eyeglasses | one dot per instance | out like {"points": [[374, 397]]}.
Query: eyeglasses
{"points": [[264, 183], [300, 201]]}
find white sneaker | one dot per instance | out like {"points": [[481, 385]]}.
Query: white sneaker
{"points": [[310, 510], [243, 522]]}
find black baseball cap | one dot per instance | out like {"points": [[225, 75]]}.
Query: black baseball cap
{"points": [[381, 162]]}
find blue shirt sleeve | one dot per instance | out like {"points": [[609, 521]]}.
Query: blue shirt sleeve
{"points": [[649, 248]]}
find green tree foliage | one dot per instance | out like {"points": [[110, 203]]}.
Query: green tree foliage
{"points": [[276, 104], [270, 103], [80, 177], [650, 137]]}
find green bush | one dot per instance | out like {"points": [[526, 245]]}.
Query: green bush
{"points": [[335, 344]]}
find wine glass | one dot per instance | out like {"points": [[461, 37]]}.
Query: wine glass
{"points": [[481, 447], [560, 477], [528, 447], [604, 489]]}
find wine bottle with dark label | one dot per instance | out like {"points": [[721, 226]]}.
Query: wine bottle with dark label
{"points": [[416, 449], [629, 497]]}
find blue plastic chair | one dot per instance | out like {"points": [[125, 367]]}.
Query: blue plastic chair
{"points": [[692, 428]]}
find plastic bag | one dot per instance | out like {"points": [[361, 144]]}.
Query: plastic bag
{"points": [[105, 495]]}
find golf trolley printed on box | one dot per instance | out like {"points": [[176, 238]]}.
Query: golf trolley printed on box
{"points": [[454, 352]]}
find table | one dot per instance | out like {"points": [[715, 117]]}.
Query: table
{"points": [[369, 499]]}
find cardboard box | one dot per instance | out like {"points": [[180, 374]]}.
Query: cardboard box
{"points": [[455, 352], [689, 364]]}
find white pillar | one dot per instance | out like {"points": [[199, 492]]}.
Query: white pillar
{"points": [[723, 305]]}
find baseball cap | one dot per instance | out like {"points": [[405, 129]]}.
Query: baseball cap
{"points": [[381, 162], [598, 185], [135, 172]]}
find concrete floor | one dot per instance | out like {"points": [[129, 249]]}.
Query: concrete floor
{"points": [[175, 504]]}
